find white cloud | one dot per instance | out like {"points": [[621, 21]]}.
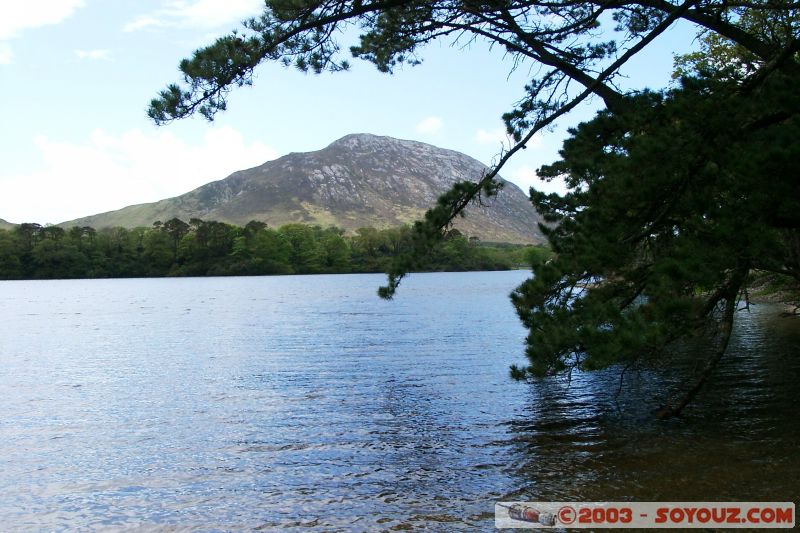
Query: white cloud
{"points": [[495, 137], [93, 54], [430, 126], [108, 171], [525, 177], [141, 23], [18, 16], [197, 14]]}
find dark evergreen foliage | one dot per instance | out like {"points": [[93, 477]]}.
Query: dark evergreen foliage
{"points": [[673, 204]]}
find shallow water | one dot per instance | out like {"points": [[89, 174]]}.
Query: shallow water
{"points": [[280, 402]]}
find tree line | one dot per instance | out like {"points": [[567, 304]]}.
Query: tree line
{"points": [[211, 248]]}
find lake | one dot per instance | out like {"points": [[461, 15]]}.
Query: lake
{"points": [[307, 402]]}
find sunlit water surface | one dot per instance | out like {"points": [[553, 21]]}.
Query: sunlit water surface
{"points": [[307, 402]]}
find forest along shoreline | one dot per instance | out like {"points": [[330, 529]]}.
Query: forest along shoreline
{"points": [[209, 248]]}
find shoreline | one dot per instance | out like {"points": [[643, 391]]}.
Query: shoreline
{"points": [[772, 289]]}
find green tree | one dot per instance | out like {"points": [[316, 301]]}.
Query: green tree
{"points": [[529, 256], [82, 237], [157, 251], [53, 233], [28, 235], [306, 256], [51, 259], [10, 263], [271, 252], [176, 229], [365, 247], [253, 227], [669, 212], [335, 250], [189, 257], [117, 253]]}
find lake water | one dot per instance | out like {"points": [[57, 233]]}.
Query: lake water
{"points": [[307, 402]]}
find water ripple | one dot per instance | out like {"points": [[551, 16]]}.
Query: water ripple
{"points": [[308, 403]]}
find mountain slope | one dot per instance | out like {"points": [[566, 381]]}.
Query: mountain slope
{"points": [[359, 180], [6, 225]]}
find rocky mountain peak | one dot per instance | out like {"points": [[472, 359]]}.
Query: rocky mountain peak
{"points": [[368, 142], [356, 181]]}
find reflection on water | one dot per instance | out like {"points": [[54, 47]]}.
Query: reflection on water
{"points": [[739, 441], [245, 403]]}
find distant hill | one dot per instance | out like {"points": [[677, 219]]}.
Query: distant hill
{"points": [[359, 180], [6, 225]]}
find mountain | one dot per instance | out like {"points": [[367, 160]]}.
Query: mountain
{"points": [[6, 225], [359, 180]]}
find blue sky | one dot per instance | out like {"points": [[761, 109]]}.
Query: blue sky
{"points": [[77, 76]]}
